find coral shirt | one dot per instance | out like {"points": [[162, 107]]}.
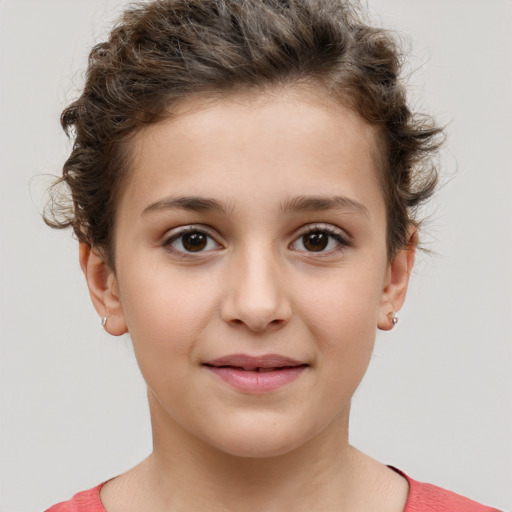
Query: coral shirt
{"points": [[422, 498]]}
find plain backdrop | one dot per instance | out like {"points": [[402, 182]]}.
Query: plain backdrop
{"points": [[437, 400]]}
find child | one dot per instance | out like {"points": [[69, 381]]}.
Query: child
{"points": [[244, 180]]}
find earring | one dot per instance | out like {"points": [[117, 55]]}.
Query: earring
{"points": [[103, 321], [394, 317]]}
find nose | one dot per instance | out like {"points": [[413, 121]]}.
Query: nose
{"points": [[255, 293]]}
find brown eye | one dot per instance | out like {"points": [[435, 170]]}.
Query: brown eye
{"points": [[194, 242], [190, 241], [321, 240], [316, 241]]}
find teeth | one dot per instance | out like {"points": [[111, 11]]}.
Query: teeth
{"points": [[256, 368], [259, 369]]}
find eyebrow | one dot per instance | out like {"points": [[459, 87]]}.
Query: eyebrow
{"points": [[322, 203], [293, 205], [190, 203]]}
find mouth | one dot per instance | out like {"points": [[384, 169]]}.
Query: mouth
{"points": [[258, 369], [256, 374], [265, 363]]}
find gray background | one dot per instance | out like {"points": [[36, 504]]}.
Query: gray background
{"points": [[437, 401]]}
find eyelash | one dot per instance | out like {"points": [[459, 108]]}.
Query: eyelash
{"points": [[332, 233], [188, 230]]}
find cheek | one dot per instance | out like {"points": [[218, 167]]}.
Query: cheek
{"points": [[166, 327], [341, 314], [342, 303], [166, 311]]}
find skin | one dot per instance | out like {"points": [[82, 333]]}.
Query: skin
{"points": [[256, 288]]}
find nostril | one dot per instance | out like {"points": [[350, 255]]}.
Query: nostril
{"points": [[255, 312]]}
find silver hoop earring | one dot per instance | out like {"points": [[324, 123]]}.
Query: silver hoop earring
{"points": [[103, 321]]}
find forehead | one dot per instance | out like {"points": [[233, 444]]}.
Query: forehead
{"points": [[249, 145]]}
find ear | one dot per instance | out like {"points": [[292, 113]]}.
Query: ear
{"points": [[397, 281], [103, 288]]}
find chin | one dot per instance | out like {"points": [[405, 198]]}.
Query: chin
{"points": [[257, 448], [258, 440]]}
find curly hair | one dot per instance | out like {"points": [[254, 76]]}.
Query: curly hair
{"points": [[165, 51]]}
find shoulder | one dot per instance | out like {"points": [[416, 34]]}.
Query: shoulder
{"points": [[426, 498], [86, 501]]}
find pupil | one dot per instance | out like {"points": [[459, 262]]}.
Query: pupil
{"points": [[315, 241], [194, 242]]}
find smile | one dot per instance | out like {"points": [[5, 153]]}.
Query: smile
{"points": [[256, 374]]}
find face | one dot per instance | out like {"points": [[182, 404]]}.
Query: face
{"points": [[251, 269]]}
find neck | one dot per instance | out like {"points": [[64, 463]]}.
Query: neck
{"points": [[184, 473], [299, 479]]}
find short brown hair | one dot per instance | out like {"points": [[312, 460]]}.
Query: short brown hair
{"points": [[168, 50]]}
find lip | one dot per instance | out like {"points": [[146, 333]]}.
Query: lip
{"points": [[256, 374]]}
